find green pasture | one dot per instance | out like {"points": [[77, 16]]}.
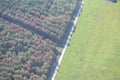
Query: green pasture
{"points": [[94, 51]]}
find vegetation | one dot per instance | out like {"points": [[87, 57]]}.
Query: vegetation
{"points": [[24, 55], [49, 17], [31, 33], [94, 51]]}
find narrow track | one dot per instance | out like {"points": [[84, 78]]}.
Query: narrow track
{"points": [[67, 41]]}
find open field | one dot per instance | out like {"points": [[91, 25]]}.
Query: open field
{"points": [[94, 51]]}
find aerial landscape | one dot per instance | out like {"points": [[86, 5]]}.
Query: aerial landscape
{"points": [[59, 40]]}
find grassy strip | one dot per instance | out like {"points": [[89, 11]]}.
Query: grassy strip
{"points": [[94, 51]]}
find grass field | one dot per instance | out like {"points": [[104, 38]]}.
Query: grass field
{"points": [[94, 51]]}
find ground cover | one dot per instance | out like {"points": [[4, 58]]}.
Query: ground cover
{"points": [[94, 51]]}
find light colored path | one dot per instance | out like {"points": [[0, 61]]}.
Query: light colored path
{"points": [[67, 42]]}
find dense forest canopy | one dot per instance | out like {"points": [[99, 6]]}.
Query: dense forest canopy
{"points": [[50, 17], [30, 33]]}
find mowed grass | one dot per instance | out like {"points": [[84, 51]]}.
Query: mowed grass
{"points": [[94, 51]]}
